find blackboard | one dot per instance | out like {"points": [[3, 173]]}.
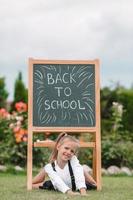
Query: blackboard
{"points": [[64, 95]]}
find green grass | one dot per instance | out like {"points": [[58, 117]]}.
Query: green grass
{"points": [[13, 187]]}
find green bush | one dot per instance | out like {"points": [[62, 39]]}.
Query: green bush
{"points": [[117, 152], [117, 133], [13, 138]]}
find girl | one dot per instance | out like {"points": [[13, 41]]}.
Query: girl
{"points": [[64, 170]]}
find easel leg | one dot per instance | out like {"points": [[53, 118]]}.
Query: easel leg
{"points": [[29, 161]]}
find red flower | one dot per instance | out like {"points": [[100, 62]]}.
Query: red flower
{"points": [[21, 106], [3, 113]]}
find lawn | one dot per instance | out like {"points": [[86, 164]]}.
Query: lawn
{"points": [[13, 187]]}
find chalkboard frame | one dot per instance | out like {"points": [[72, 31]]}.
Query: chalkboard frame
{"points": [[32, 62], [95, 131]]}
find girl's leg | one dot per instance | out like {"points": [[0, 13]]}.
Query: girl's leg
{"points": [[88, 177], [36, 186], [39, 179]]}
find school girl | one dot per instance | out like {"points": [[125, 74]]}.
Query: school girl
{"points": [[65, 172]]}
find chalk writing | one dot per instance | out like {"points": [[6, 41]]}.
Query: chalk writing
{"points": [[63, 95]]}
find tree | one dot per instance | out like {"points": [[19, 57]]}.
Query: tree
{"points": [[3, 93], [126, 98], [20, 91]]}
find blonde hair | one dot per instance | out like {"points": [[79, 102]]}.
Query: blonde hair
{"points": [[60, 140]]}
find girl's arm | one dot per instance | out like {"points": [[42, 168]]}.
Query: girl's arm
{"points": [[79, 175], [56, 180]]}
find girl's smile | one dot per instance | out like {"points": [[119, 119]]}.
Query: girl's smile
{"points": [[65, 152]]}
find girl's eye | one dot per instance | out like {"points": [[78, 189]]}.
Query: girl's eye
{"points": [[72, 151], [67, 148]]}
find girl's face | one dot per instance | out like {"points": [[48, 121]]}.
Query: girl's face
{"points": [[66, 150]]}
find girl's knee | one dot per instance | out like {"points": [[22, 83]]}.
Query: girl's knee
{"points": [[87, 169]]}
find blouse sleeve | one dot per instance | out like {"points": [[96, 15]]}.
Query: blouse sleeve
{"points": [[55, 178], [78, 173]]}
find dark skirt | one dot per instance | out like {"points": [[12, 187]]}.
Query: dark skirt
{"points": [[47, 185]]}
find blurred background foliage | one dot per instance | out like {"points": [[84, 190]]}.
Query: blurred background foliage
{"points": [[116, 128]]}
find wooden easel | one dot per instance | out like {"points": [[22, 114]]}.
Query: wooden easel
{"points": [[94, 130]]}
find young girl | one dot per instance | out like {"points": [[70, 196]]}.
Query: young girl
{"points": [[64, 169]]}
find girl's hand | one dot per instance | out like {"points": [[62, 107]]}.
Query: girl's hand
{"points": [[83, 192], [70, 192]]}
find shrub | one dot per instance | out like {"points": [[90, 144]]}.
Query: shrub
{"points": [[117, 146], [13, 138], [117, 152]]}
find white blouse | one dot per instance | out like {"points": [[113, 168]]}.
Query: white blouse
{"points": [[61, 177]]}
